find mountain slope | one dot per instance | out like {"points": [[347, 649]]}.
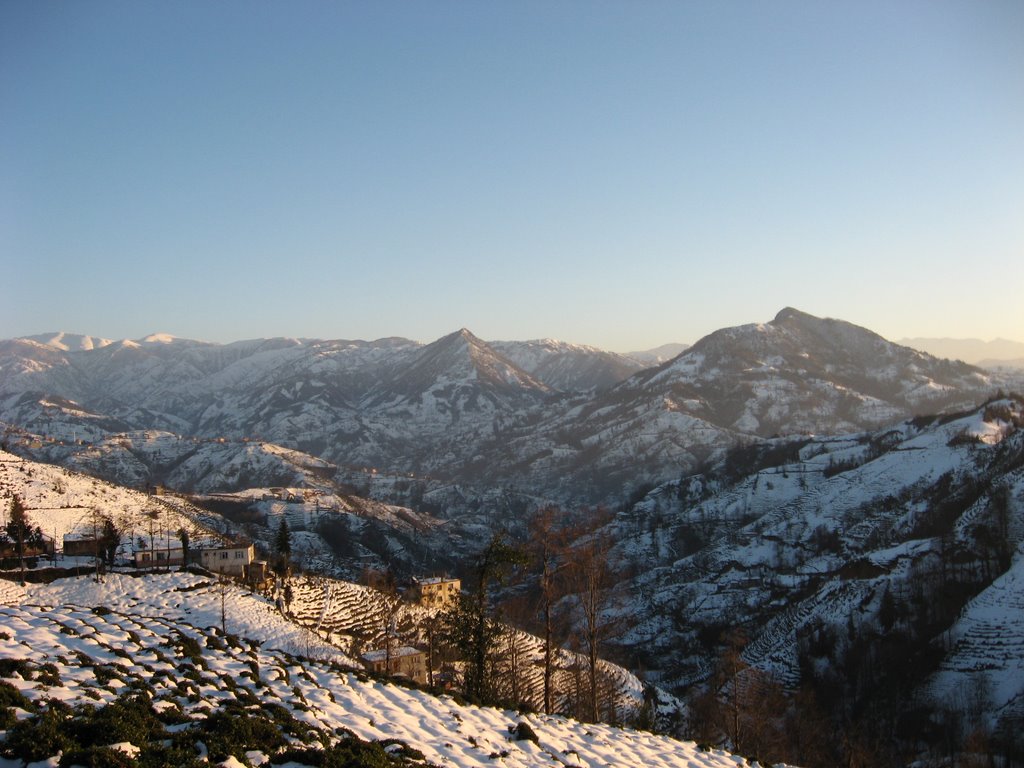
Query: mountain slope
{"points": [[568, 367], [800, 374], [92, 644], [879, 570]]}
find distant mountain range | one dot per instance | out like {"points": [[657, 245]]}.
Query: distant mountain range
{"points": [[545, 418], [987, 354]]}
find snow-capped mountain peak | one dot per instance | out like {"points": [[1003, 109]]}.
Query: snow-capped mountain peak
{"points": [[69, 342]]}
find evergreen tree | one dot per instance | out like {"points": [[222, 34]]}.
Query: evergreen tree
{"points": [[19, 531], [471, 626], [109, 541], [283, 547], [183, 538]]}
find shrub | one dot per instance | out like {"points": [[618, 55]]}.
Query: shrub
{"points": [[397, 748], [189, 648], [20, 667], [126, 719], [522, 731], [350, 753], [97, 757], [12, 697], [39, 737], [232, 731], [105, 673], [48, 674]]}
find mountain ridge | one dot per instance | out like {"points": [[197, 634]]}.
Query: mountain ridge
{"points": [[552, 419]]}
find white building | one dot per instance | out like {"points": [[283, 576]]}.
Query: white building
{"points": [[230, 559]]}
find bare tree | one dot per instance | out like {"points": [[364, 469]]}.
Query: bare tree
{"points": [[389, 619], [593, 578], [547, 549]]}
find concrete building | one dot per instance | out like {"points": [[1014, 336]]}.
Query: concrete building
{"points": [[230, 559], [405, 661], [438, 593]]}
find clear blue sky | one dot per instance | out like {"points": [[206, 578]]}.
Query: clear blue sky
{"points": [[622, 174]]}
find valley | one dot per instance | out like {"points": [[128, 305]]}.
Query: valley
{"points": [[799, 524]]}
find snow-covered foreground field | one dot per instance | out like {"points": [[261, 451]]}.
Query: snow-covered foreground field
{"points": [[160, 634]]}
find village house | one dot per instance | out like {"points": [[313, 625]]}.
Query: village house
{"points": [[41, 545], [438, 592], [257, 574], [232, 559], [158, 558], [80, 545], [404, 661]]}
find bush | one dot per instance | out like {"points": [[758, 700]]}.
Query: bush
{"points": [[350, 753], [48, 674], [97, 757], [40, 737], [125, 719], [232, 731], [397, 748], [20, 667], [12, 697], [522, 731], [189, 648]]}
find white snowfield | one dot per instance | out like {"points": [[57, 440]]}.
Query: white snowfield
{"points": [[102, 637]]}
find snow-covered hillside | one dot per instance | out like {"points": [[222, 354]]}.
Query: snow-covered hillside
{"points": [[159, 637], [900, 550], [316, 617], [65, 503]]}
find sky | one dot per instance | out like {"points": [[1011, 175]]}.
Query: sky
{"points": [[621, 174]]}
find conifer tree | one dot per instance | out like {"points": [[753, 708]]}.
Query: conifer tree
{"points": [[18, 531], [471, 626], [283, 547]]}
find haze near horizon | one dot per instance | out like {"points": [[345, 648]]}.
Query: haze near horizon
{"points": [[618, 175]]}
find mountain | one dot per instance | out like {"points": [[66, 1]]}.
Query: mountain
{"points": [[987, 354], [568, 367], [797, 374], [881, 573], [806, 519], [69, 342], [801, 373], [454, 375], [542, 418], [658, 355]]}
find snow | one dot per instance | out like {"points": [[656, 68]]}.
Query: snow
{"points": [[59, 623], [992, 621]]}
